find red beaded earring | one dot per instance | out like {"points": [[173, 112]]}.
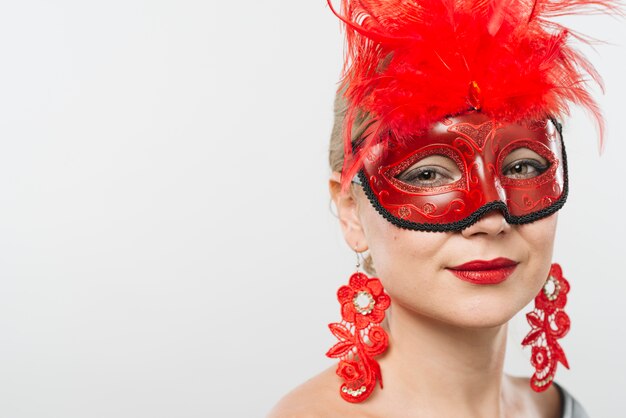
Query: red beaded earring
{"points": [[549, 323], [361, 338]]}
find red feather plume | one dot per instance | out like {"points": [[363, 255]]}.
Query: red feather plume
{"points": [[410, 63]]}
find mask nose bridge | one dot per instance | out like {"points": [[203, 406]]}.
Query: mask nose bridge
{"points": [[489, 184]]}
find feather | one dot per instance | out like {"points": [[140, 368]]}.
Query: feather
{"points": [[409, 63]]}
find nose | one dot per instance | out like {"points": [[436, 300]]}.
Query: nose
{"points": [[492, 223]]}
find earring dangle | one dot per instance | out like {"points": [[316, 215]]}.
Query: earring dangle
{"points": [[549, 323], [363, 303]]}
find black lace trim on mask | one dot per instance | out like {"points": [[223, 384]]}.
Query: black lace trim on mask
{"points": [[478, 213]]}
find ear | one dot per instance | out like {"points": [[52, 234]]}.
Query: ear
{"points": [[348, 213]]}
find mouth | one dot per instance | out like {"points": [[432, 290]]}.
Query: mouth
{"points": [[485, 272]]}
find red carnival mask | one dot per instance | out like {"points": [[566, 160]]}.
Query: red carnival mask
{"points": [[451, 174]]}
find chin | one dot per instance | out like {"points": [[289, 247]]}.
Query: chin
{"points": [[484, 321], [481, 312]]}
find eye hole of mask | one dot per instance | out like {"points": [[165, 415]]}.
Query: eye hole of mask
{"points": [[432, 171], [524, 163]]}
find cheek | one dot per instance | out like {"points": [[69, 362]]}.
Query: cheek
{"points": [[539, 237], [403, 258]]}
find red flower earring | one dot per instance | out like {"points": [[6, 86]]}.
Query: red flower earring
{"points": [[549, 323], [361, 338]]}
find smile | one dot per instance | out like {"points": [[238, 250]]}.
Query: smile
{"points": [[485, 272]]}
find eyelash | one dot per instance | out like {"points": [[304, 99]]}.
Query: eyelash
{"points": [[528, 162], [412, 176]]}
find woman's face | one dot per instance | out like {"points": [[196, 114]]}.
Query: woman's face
{"points": [[413, 266], [472, 160]]}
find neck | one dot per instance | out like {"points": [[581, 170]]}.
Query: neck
{"points": [[445, 370]]}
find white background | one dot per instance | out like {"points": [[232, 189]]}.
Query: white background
{"points": [[167, 246]]}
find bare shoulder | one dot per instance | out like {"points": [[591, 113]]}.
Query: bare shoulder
{"points": [[317, 397], [545, 404]]}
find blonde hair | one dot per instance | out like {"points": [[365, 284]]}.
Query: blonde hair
{"points": [[336, 151]]}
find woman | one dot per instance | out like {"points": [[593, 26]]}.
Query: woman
{"points": [[449, 167]]}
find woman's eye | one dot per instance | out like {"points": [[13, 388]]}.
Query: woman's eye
{"points": [[524, 163], [525, 169], [426, 177], [432, 171]]}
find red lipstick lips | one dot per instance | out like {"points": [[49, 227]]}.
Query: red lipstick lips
{"points": [[485, 272]]}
